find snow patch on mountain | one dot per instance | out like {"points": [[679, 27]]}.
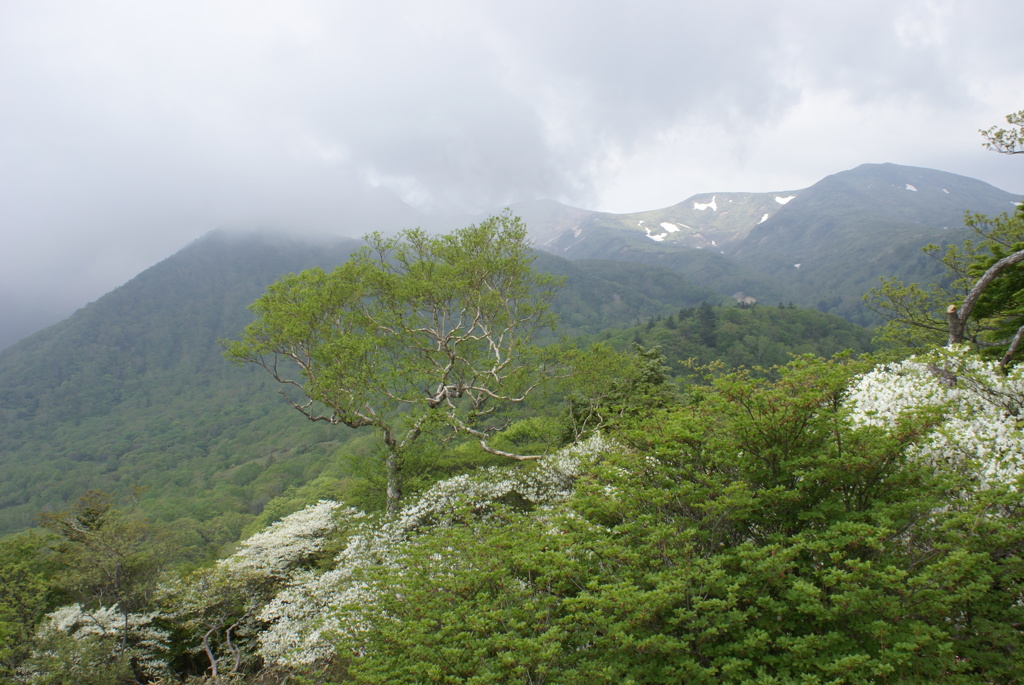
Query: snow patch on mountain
{"points": [[910, 187], [783, 200], [659, 237], [671, 228], [701, 206], [763, 219]]}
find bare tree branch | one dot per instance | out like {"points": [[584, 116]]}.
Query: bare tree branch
{"points": [[958, 316]]}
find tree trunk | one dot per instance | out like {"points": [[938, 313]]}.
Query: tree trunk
{"points": [[393, 467]]}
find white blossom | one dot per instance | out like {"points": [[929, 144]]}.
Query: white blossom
{"points": [[146, 642], [980, 431], [315, 606], [289, 541], [219, 606]]}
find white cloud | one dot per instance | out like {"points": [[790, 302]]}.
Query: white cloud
{"points": [[131, 128]]}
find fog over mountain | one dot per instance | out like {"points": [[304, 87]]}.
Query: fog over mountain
{"points": [[129, 129]]}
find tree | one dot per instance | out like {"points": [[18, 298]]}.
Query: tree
{"points": [[27, 592], [1007, 141], [984, 302], [217, 607], [413, 333], [110, 558], [605, 386], [708, 322]]}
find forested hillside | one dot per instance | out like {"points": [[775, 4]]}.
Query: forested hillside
{"points": [[134, 391], [743, 336], [665, 516]]}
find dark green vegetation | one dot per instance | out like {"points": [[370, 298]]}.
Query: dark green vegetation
{"points": [[133, 390], [750, 535], [742, 336], [740, 529]]}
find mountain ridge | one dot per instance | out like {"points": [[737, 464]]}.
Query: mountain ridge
{"points": [[737, 225], [822, 246], [133, 389]]}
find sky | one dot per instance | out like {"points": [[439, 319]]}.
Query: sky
{"points": [[129, 128]]}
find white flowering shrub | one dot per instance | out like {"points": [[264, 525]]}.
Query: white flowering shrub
{"points": [[296, 538], [981, 431], [219, 606], [76, 644], [304, 616]]}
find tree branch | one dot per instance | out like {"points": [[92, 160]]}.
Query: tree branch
{"points": [[958, 317], [1012, 349]]}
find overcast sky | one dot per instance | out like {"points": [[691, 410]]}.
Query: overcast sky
{"points": [[129, 128]]}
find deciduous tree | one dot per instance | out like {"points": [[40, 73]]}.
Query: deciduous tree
{"points": [[1009, 141], [414, 333]]}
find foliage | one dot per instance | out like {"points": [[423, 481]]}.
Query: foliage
{"points": [[985, 314], [102, 646], [1006, 140], [413, 334], [734, 336], [604, 387], [757, 534], [27, 593], [109, 556]]}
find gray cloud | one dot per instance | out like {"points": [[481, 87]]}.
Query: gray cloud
{"points": [[129, 128]]}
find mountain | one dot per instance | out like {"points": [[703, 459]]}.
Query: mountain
{"points": [[821, 247], [24, 311], [133, 389], [582, 235], [836, 238]]}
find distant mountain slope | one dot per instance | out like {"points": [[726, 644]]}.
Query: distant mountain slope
{"points": [[820, 247], [713, 221], [582, 235], [836, 238], [134, 390]]}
